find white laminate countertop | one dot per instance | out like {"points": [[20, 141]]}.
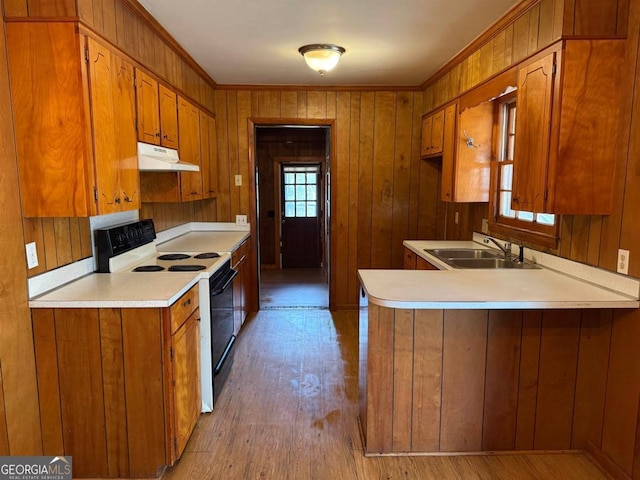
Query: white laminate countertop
{"points": [[487, 289], [119, 290], [142, 289], [204, 242]]}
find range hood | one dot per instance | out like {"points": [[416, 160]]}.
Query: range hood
{"points": [[152, 158]]}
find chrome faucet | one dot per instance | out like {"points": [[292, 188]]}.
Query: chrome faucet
{"points": [[505, 248]]}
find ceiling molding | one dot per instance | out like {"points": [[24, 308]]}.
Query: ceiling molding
{"points": [[508, 18], [325, 88], [142, 13]]}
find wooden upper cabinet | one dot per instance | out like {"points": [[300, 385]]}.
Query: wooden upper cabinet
{"points": [[533, 124], [432, 141], [189, 133], [113, 122], [157, 112], [168, 117], [209, 156], [148, 108], [566, 128], [70, 100], [466, 153]]}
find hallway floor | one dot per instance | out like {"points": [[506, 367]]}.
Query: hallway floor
{"points": [[294, 288], [289, 411]]}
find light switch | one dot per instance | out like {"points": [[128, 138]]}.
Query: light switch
{"points": [[238, 180]]}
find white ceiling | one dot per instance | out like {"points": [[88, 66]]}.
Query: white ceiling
{"points": [[387, 42]]}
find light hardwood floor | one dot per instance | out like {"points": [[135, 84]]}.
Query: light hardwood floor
{"points": [[294, 287], [289, 412]]}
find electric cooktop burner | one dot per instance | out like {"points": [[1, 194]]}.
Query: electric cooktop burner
{"points": [[186, 268], [207, 255], [174, 256], [148, 268]]}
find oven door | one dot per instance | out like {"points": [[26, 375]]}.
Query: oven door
{"points": [[222, 337]]}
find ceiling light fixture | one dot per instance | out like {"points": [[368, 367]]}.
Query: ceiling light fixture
{"points": [[321, 57]]}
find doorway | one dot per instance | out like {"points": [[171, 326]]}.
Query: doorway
{"points": [[292, 172]]}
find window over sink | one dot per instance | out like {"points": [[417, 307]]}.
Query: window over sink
{"points": [[539, 228]]}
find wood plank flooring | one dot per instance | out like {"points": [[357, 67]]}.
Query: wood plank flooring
{"points": [[289, 412]]}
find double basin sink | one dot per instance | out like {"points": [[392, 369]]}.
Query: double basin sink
{"points": [[477, 258]]}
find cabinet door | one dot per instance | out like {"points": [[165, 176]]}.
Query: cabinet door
{"points": [[427, 124], [114, 140], [535, 91], [168, 117], [409, 259], [148, 108], [189, 134], [124, 104], [186, 380], [448, 154], [437, 132]]}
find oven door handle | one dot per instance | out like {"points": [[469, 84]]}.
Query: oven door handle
{"points": [[225, 282], [224, 356]]}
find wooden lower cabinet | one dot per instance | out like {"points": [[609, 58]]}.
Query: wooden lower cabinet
{"points": [[119, 388], [436, 381], [239, 262], [413, 261]]}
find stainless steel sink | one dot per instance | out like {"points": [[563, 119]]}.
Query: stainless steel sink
{"points": [[489, 263], [462, 253], [477, 258]]}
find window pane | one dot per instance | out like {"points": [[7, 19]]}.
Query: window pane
{"points": [[301, 192], [311, 209], [289, 178], [300, 209], [300, 177], [525, 216], [289, 192], [505, 205], [289, 209], [311, 192], [506, 177], [311, 178], [546, 218], [511, 142]]}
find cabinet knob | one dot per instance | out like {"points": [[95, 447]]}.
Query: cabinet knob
{"points": [[118, 200], [158, 134], [187, 303], [515, 200]]}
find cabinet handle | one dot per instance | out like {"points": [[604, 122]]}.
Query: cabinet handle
{"points": [[187, 302], [118, 200], [515, 200], [158, 134]]}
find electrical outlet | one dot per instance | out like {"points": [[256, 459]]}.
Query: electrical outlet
{"points": [[456, 218], [32, 255], [485, 226], [241, 219], [238, 180], [623, 261]]}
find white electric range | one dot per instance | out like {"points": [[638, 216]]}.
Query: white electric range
{"points": [[130, 248]]}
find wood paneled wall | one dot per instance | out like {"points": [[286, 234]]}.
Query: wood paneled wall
{"points": [[128, 26], [529, 27], [491, 380], [168, 215], [20, 406], [382, 193]]}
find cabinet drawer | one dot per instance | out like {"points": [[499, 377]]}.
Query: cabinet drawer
{"points": [[239, 254], [182, 308]]}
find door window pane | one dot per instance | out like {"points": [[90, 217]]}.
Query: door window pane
{"points": [[300, 185]]}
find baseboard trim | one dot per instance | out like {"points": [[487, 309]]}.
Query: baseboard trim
{"points": [[603, 461]]}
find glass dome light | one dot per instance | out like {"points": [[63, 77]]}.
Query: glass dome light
{"points": [[321, 57]]}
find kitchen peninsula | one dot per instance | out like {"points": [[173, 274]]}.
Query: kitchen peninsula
{"points": [[462, 360]]}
